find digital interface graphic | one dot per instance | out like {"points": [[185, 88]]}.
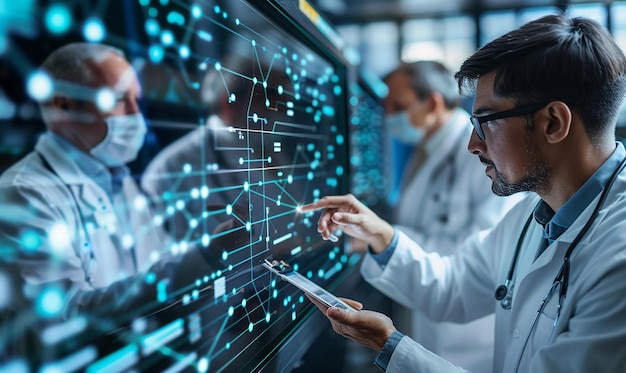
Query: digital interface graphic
{"points": [[248, 120]]}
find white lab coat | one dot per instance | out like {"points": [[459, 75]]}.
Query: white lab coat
{"points": [[445, 201], [590, 335], [76, 233]]}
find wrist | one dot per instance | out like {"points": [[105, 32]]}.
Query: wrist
{"points": [[383, 238]]}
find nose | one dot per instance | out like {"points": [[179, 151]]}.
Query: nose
{"points": [[476, 145]]}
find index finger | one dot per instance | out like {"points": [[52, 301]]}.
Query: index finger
{"points": [[325, 202]]}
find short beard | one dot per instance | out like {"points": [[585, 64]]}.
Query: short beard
{"points": [[534, 181]]}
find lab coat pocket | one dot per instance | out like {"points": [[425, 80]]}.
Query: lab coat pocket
{"points": [[545, 323]]}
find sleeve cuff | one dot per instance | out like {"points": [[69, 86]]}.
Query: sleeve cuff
{"points": [[383, 258], [382, 360]]}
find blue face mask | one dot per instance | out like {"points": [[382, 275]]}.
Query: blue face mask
{"points": [[124, 139], [400, 127]]}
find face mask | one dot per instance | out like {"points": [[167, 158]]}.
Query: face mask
{"points": [[125, 134], [399, 126]]}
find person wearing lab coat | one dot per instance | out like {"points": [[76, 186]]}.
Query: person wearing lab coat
{"points": [[444, 195], [547, 97], [71, 214]]}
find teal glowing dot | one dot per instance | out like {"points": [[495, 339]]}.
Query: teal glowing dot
{"points": [[320, 273], [152, 27], [339, 170], [269, 160], [105, 100], [275, 294], [164, 2], [280, 89], [39, 86], [301, 299], [267, 317], [331, 255], [30, 240], [246, 186], [93, 30], [153, 12], [329, 111], [184, 51], [144, 2], [180, 204], [218, 66], [176, 18], [225, 256], [50, 302], [284, 50], [253, 42], [240, 160], [195, 294], [193, 223], [237, 21], [231, 310], [310, 147], [340, 139], [196, 11], [309, 274], [167, 38], [229, 209], [250, 327], [150, 278], [297, 96], [203, 365], [285, 302], [255, 117], [198, 282], [216, 9], [293, 316], [248, 226], [228, 345], [156, 53], [267, 103], [58, 19], [310, 175], [243, 302], [290, 179], [206, 239], [232, 98]]}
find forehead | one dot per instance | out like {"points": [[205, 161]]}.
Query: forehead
{"points": [[484, 96], [116, 73]]}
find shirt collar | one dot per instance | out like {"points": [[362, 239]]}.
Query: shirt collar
{"points": [[554, 224], [108, 179]]}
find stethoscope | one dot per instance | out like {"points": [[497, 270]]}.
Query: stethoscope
{"points": [[561, 281], [504, 294]]}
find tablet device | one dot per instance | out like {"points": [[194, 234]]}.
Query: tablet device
{"points": [[284, 271]]}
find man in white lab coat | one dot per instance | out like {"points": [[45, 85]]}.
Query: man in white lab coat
{"points": [[71, 215], [547, 99], [444, 195]]}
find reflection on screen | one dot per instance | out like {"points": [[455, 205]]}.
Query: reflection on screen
{"points": [[246, 123]]}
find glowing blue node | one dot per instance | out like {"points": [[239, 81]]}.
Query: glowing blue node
{"points": [[204, 192], [150, 278], [267, 317], [246, 186], [50, 302], [216, 9], [340, 139], [255, 117], [196, 11], [224, 257], [30, 240], [237, 21], [152, 27], [203, 365], [105, 99], [229, 209], [228, 345], [167, 38], [193, 223], [156, 53], [253, 42], [184, 51], [39, 86], [243, 303], [248, 226], [195, 193], [58, 19], [218, 66], [274, 293], [231, 310], [144, 2], [293, 316], [337, 90], [153, 12], [224, 15], [206, 239], [250, 327], [94, 30], [280, 89]]}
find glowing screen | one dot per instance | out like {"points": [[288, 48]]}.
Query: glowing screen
{"points": [[246, 122]]}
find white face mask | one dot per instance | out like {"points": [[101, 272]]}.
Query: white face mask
{"points": [[399, 126], [124, 139]]}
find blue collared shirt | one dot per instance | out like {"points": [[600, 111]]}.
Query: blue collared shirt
{"points": [[554, 225]]}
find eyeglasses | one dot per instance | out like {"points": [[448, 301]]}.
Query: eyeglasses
{"points": [[515, 112]]}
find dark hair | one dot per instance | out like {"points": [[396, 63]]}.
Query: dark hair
{"points": [[574, 60], [427, 77]]}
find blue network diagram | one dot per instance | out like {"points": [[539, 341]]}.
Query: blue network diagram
{"points": [[247, 122]]}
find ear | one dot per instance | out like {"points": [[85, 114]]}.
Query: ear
{"points": [[556, 121]]}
